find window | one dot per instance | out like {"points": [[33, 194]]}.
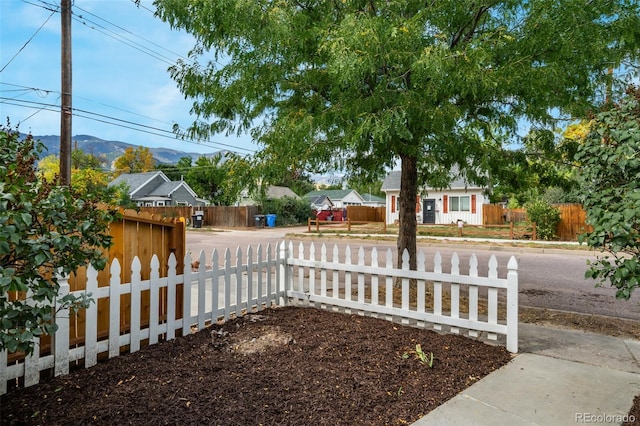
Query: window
{"points": [[459, 204]]}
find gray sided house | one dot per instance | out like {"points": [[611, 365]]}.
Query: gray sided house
{"points": [[154, 189]]}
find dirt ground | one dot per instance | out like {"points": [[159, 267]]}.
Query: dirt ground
{"points": [[281, 366]]}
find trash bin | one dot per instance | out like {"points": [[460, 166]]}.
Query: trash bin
{"points": [[196, 220], [271, 220], [259, 221]]}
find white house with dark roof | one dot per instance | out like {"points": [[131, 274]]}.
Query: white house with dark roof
{"points": [[339, 197], [460, 201], [154, 189]]}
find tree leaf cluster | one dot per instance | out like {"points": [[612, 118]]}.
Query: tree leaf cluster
{"points": [[46, 231], [610, 171]]}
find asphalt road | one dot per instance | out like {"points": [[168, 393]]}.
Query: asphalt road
{"points": [[547, 278]]}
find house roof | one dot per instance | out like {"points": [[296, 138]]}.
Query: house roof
{"points": [[138, 181], [371, 198], [333, 194], [135, 181], [280, 192], [392, 182], [320, 201], [168, 188]]}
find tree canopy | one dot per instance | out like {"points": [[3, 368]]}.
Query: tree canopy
{"points": [[363, 86], [134, 160]]}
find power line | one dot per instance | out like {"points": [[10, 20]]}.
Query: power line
{"points": [[102, 118], [135, 35], [28, 41]]}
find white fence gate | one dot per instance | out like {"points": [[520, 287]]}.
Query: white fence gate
{"points": [[220, 288]]}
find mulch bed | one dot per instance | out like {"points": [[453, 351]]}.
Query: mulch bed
{"points": [[285, 366]]}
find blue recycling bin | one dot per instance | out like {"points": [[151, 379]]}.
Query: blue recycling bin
{"points": [[271, 220]]}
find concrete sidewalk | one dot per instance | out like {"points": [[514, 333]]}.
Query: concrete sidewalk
{"points": [[560, 377]]}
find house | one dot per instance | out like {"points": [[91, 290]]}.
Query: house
{"points": [[340, 198], [320, 202], [461, 201], [273, 193], [154, 189], [373, 201]]}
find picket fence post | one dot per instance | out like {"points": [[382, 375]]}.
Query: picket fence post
{"points": [[61, 336]]}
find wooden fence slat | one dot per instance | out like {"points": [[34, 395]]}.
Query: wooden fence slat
{"points": [[492, 296], [473, 293], [136, 297], [154, 300], [420, 293], [215, 292], [202, 267], [114, 310], [61, 336], [388, 302], [455, 291], [405, 285], [91, 321], [437, 289]]}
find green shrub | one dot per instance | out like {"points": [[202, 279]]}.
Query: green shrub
{"points": [[545, 216], [288, 211], [45, 230]]}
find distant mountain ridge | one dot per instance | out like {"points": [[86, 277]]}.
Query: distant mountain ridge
{"points": [[114, 149]]}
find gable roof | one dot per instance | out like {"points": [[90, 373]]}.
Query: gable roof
{"points": [[320, 201], [371, 198], [280, 192], [135, 181], [139, 181], [392, 182], [333, 194], [168, 188]]}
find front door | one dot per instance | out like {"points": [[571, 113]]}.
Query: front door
{"points": [[429, 211]]}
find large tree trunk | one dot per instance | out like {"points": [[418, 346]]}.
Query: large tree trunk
{"points": [[407, 210]]}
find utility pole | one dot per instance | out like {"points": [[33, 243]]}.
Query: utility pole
{"points": [[66, 108]]}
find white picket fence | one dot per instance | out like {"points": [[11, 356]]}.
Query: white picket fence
{"points": [[275, 276]]}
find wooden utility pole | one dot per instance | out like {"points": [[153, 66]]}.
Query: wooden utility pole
{"points": [[66, 109]]}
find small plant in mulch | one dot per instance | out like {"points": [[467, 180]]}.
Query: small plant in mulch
{"points": [[420, 355]]}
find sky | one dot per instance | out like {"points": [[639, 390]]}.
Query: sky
{"points": [[122, 90]]}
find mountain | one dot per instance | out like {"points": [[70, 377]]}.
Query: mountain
{"points": [[113, 149]]}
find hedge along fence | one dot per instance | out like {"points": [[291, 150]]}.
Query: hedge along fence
{"points": [[140, 235], [223, 216], [572, 219]]}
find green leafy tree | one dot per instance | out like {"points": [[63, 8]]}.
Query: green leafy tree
{"points": [[45, 230], [364, 85], [214, 178], [610, 166]]}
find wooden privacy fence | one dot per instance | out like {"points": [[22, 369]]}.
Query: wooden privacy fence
{"points": [[223, 216], [135, 235], [572, 219], [231, 287], [366, 213]]}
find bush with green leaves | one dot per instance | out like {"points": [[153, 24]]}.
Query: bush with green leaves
{"points": [[46, 231], [288, 211], [610, 171], [545, 216]]}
